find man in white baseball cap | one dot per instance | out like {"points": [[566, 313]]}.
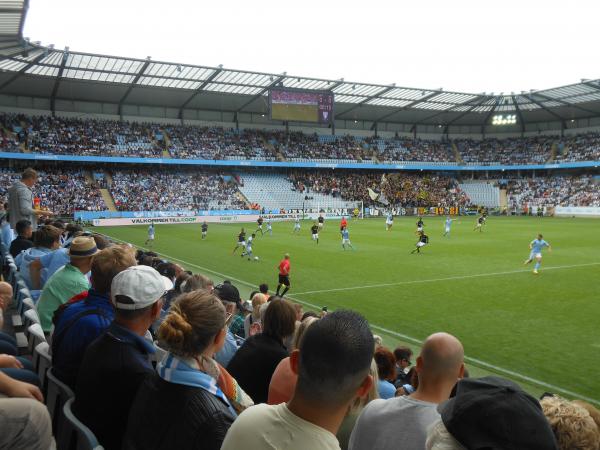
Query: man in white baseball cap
{"points": [[116, 363]]}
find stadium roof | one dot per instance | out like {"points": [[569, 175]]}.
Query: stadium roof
{"points": [[28, 68]]}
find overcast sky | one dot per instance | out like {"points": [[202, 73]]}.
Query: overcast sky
{"points": [[464, 45]]}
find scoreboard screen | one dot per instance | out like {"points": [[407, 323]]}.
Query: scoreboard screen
{"points": [[292, 105]]}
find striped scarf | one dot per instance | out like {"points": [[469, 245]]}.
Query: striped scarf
{"points": [[178, 371]]}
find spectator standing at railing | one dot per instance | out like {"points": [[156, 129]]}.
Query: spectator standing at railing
{"points": [[20, 200]]}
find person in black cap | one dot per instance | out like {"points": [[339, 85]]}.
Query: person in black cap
{"points": [[230, 296], [491, 413]]}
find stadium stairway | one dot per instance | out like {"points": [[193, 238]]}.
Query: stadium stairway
{"points": [[108, 200], [108, 178], [166, 144], [457, 156], [89, 178], [482, 193], [553, 153], [503, 200]]}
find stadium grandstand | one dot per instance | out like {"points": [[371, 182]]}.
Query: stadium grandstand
{"points": [[127, 320]]}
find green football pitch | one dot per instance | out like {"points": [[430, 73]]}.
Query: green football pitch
{"points": [[540, 330]]}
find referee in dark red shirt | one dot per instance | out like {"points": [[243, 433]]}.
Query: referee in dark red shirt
{"points": [[284, 274]]}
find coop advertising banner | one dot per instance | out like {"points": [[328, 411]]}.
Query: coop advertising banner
{"points": [[173, 220], [588, 211]]}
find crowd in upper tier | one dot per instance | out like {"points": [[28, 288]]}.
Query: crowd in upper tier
{"points": [[77, 136]]}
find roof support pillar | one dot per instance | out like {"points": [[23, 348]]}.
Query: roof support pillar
{"points": [[198, 91], [57, 81], [131, 86]]}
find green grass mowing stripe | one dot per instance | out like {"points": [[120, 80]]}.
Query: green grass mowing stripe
{"points": [[433, 280], [471, 360]]}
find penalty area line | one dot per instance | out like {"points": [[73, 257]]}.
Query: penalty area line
{"points": [[434, 280], [405, 337]]}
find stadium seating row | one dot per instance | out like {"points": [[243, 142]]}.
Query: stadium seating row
{"points": [[68, 136]]}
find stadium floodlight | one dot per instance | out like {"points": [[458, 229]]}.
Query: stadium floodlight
{"points": [[500, 120]]}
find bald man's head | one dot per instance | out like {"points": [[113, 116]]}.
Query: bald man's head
{"points": [[6, 293], [442, 357]]}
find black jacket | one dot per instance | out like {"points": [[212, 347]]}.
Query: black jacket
{"points": [[18, 245], [167, 416], [254, 363], [113, 368]]}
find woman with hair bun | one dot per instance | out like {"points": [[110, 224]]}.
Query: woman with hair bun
{"points": [[191, 401]]}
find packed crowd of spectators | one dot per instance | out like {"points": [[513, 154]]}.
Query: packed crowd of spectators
{"points": [[298, 145], [400, 149], [160, 358], [64, 136], [156, 190], [579, 147], [188, 142], [581, 190], [395, 189], [61, 191], [530, 150], [59, 135]]}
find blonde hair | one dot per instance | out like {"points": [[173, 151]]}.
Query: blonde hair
{"points": [[572, 425], [300, 331], [194, 319], [257, 301], [439, 438], [108, 263], [360, 403], [594, 412], [197, 282]]}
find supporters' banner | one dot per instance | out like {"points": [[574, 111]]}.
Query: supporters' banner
{"points": [[328, 213], [374, 195], [584, 211], [173, 220]]}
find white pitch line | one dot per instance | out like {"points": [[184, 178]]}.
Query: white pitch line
{"points": [[405, 337], [433, 280]]}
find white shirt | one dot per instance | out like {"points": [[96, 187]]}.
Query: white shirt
{"points": [[266, 427]]}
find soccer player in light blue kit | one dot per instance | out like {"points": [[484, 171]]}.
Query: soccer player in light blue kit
{"points": [[536, 247], [448, 225], [389, 222], [150, 239], [269, 227], [297, 224], [346, 239], [248, 251]]}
